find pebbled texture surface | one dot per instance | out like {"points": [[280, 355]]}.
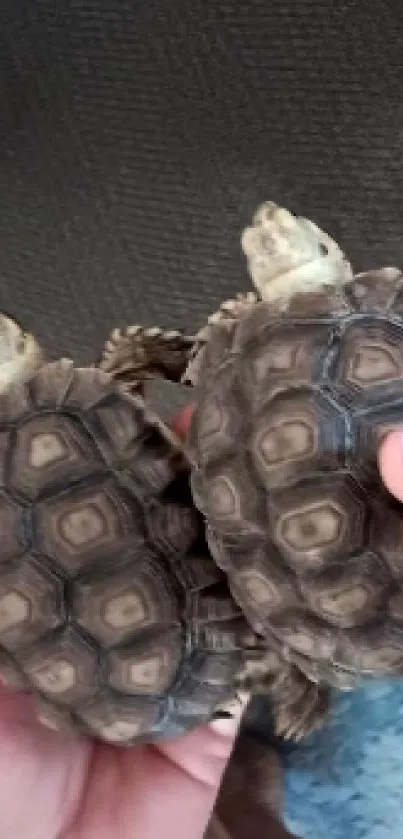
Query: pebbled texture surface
{"points": [[347, 780]]}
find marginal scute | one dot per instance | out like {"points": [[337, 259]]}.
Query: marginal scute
{"points": [[218, 418], [119, 720], [31, 603], [232, 502]]}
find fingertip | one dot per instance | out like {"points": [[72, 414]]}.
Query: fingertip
{"points": [[390, 460]]}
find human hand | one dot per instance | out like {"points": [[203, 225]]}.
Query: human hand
{"points": [[55, 787]]}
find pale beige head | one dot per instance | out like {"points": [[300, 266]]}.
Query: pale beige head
{"points": [[286, 255], [20, 354]]}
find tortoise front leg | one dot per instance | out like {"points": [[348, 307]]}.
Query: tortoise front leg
{"points": [[136, 354]]}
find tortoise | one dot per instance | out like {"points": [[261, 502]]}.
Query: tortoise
{"points": [[113, 615], [297, 382]]}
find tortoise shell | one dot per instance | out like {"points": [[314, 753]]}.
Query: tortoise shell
{"points": [[292, 405], [112, 613]]}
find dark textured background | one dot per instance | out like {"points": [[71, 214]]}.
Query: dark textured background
{"points": [[136, 139]]}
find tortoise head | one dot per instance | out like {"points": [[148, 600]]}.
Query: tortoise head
{"points": [[20, 354], [288, 255]]}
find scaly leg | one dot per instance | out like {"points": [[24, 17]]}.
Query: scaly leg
{"points": [[298, 705], [138, 353]]}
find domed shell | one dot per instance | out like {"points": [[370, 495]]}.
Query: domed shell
{"points": [[284, 449], [112, 614]]}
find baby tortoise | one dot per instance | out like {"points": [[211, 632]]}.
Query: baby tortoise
{"points": [[297, 383], [112, 613]]}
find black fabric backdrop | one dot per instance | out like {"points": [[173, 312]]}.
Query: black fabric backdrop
{"points": [[136, 139]]}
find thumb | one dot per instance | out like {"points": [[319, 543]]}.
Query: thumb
{"points": [[390, 460], [203, 755]]}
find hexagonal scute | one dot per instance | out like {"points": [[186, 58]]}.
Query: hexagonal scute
{"points": [[137, 596], [121, 720], [50, 451], [31, 603], [351, 593], [370, 356], [288, 356], [84, 525], [147, 667], [318, 520], [261, 585], [229, 498], [296, 432], [13, 537], [63, 668]]}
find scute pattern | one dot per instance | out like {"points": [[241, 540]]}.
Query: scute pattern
{"points": [[284, 444], [111, 611]]}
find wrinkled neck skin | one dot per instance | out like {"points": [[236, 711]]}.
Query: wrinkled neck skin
{"points": [[288, 256]]}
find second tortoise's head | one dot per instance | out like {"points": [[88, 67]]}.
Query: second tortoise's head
{"points": [[20, 353], [287, 255]]}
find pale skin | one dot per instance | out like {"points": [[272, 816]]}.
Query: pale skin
{"points": [[55, 787]]}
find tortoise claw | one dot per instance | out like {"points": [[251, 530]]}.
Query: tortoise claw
{"points": [[136, 353]]}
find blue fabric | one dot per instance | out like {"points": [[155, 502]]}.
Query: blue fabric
{"points": [[346, 781]]}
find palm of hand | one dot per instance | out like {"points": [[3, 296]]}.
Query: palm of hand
{"points": [[53, 787]]}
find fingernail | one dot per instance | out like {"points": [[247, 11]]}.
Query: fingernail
{"points": [[227, 726]]}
